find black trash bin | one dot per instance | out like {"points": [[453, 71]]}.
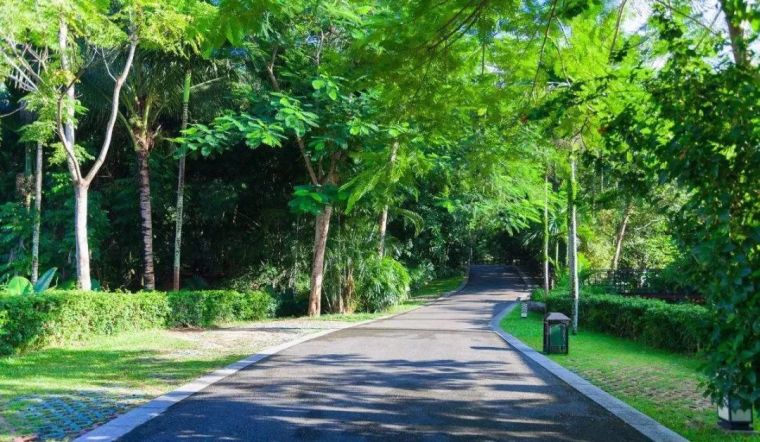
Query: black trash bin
{"points": [[556, 336]]}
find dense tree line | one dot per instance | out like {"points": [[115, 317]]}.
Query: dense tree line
{"points": [[335, 152]]}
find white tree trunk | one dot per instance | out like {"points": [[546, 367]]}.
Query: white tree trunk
{"points": [[37, 214], [621, 235], [382, 228], [66, 133], [80, 236], [573, 245], [546, 236]]}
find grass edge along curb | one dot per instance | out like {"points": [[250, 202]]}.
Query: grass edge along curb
{"points": [[636, 419]]}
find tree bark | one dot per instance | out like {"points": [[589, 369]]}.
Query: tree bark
{"points": [[383, 227], [37, 214], [546, 235], [66, 133], [322, 226], [80, 236], [620, 235], [146, 217], [573, 244], [181, 188], [735, 34]]}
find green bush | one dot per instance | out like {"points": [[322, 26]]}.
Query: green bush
{"points": [[31, 321], [676, 327], [382, 282], [208, 307]]}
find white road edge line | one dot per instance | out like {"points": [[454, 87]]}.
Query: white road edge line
{"points": [[636, 419], [123, 424]]}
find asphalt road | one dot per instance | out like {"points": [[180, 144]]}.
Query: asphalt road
{"points": [[436, 373]]}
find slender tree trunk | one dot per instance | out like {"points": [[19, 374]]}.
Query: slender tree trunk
{"points": [[382, 228], [556, 262], [37, 214], [573, 244], [384, 216], [181, 187], [322, 226], [620, 235], [146, 217], [80, 236], [735, 32], [546, 235], [66, 132]]}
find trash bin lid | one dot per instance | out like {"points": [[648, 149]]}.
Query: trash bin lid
{"points": [[556, 317]]}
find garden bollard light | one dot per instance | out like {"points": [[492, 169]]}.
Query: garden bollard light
{"points": [[556, 339], [731, 417]]}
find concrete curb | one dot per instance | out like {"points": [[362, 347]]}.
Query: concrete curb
{"points": [[638, 420], [120, 426]]}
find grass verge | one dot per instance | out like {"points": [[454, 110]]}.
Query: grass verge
{"points": [[663, 385], [58, 391]]}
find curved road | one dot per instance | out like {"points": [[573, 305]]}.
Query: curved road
{"points": [[435, 373]]}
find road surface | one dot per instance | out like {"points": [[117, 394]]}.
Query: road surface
{"points": [[435, 373]]}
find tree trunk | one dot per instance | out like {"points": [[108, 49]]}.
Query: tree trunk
{"points": [[546, 236], [322, 226], [384, 216], [383, 227], [66, 132], [620, 235], [735, 33], [181, 187], [146, 217], [80, 236], [37, 214], [556, 261], [573, 244]]}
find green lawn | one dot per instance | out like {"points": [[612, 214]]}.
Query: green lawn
{"points": [[660, 384]]}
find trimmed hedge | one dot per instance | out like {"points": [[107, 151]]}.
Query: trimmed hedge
{"points": [[676, 327], [32, 321]]}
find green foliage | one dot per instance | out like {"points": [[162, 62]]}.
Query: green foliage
{"points": [[28, 322], [381, 283], [209, 307], [313, 199], [18, 285], [44, 281], [675, 327]]}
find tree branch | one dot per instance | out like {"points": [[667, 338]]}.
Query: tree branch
{"points": [[114, 112]]}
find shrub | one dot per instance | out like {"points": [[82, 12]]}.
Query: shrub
{"points": [[31, 321], [676, 327], [422, 274], [207, 307], [381, 283]]}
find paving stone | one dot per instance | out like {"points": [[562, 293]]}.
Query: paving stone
{"points": [[57, 416]]}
